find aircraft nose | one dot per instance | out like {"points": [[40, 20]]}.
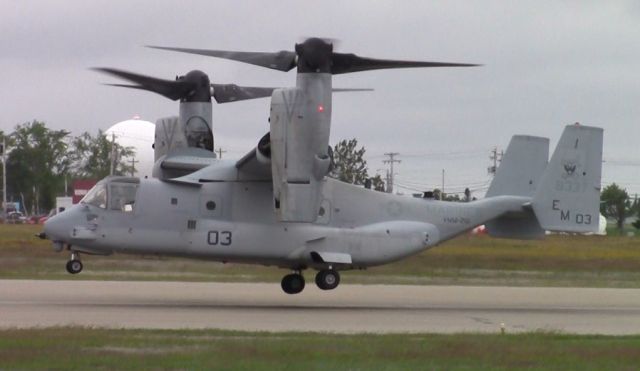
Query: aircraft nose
{"points": [[57, 227]]}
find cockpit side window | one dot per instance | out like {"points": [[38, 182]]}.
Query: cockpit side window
{"points": [[97, 196], [122, 196]]}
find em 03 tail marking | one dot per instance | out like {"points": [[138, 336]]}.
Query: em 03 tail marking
{"points": [[568, 197]]}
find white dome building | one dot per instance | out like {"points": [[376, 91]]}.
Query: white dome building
{"points": [[138, 134]]}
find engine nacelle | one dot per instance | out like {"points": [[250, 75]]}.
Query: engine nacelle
{"points": [[300, 124], [186, 135], [263, 150], [191, 129]]}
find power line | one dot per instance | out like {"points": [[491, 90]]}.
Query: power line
{"points": [[457, 192], [632, 163], [453, 185], [458, 186], [468, 153]]}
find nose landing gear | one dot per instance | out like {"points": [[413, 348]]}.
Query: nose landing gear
{"points": [[74, 265]]}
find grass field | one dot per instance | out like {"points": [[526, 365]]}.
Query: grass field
{"points": [[82, 348], [561, 260], [468, 260]]}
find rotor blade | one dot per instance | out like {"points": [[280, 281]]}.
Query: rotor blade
{"points": [[345, 63], [171, 89], [281, 61], [340, 90], [127, 86], [225, 93]]}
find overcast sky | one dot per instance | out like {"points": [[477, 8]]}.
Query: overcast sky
{"points": [[546, 64]]}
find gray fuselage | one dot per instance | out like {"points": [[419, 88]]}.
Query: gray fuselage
{"points": [[235, 221]]}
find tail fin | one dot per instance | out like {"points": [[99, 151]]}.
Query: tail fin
{"points": [[521, 168], [568, 197]]}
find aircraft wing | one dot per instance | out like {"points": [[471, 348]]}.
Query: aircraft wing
{"points": [[182, 161], [255, 166], [250, 164], [186, 163], [258, 161]]}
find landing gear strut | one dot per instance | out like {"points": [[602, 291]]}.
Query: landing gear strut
{"points": [[327, 279], [293, 283], [74, 265]]}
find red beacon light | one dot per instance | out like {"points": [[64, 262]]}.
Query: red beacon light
{"points": [[320, 108]]}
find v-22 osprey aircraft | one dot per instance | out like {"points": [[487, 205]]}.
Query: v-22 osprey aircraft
{"points": [[276, 206]]}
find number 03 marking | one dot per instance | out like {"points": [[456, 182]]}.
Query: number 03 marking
{"points": [[222, 238]]}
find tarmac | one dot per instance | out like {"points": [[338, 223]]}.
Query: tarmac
{"points": [[347, 309]]}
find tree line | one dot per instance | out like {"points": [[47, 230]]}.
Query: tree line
{"points": [[40, 161], [616, 204], [349, 166]]}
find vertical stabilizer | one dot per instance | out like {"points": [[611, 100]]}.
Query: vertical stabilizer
{"points": [[568, 197], [521, 168], [519, 174]]}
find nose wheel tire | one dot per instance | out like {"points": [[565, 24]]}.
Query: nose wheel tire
{"points": [[74, 266], [293, 283], [327, 279]]}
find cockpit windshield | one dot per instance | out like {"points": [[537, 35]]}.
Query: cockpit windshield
{"points": [[97, 196], [118, 193]]}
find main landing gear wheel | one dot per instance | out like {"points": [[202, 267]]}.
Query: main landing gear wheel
{"points": [[327, 279], [293, 283], [74, 266]]}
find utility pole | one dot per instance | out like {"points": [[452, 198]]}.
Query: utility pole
{"points": [[220, 152], [113, 153], [496, 158], [391, 161], [3, 151], [442, 193], [388, 180], [133, 165]]}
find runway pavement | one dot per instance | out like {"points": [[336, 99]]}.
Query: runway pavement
{"points": [[348, 309]]}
